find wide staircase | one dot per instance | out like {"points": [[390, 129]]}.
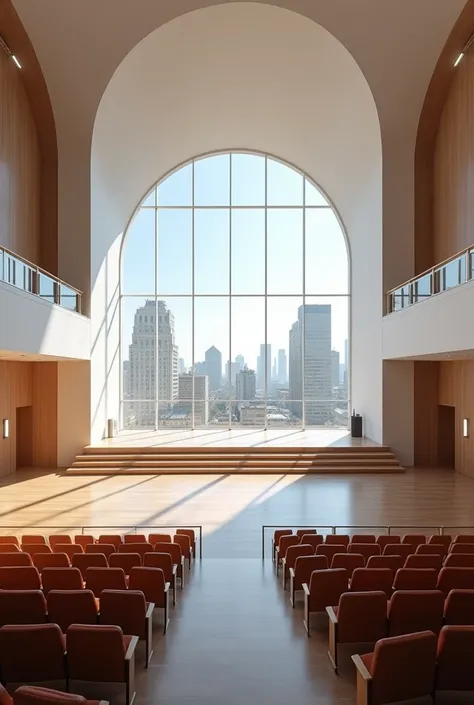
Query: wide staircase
{"points": [[102, 460]]}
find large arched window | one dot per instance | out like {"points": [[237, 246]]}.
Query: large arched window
{"points": [[234, 300]]}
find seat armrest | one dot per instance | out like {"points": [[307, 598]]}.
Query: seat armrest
{"points": [[131, 648], [175, 568], [331, 614], [306, 589], [361, 667], [149, 610], [292, 572], [167, 587]]}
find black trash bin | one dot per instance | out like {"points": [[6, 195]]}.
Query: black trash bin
{"points": [[356, 426]]}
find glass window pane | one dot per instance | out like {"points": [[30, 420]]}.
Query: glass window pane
{"points": [[325, 254], [313, 196], [67, 297], [138, 274], [284, 185], [284, 333], [248, 251], [248, 180], [211, 351], [46, 287], [285, 251], [211, 251], [177, 188], [211, 181], [174, 253], [247, 369], [150, 200]]}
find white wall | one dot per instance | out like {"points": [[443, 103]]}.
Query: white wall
{"points": [[239, 76], [439, 325], [73, 410], [31, 325]]}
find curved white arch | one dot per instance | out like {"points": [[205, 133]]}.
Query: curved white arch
{"points": [[233, 75]]}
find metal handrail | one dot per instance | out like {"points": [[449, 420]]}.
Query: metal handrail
{"points": [[37, 271], [86, 528], [351, 527]]}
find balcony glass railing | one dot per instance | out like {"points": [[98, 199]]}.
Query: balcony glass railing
{"points": [[28, 277], [453, 272]]}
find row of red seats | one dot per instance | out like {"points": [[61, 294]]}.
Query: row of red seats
{"points": [[366, 617], [128, 609], [37, 653], [33, 695], [418, 666]]}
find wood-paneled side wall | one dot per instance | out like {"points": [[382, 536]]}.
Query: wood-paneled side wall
{"points": [[20, 173], [456, 388], [453, 207], [426, 380], [29, 384]]}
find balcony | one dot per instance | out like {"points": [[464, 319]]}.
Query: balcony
{"points": [[30, 278]]}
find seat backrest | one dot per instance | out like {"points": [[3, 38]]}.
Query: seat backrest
{"points": [[412, 611], [98, 579], [34, 539], [22, 607], [462, 548], [134, 538], [54, 539], [126, 561], [105, 548], [459, 607], [185, 543], [398, 549], [414, 540], [431, 549], [364, 549], [5, 697], [61, 579], [420, 560], [15, 559], [349, 561], [383, 540], [160, 560], [313, 540], [115, 539], [83, 561], [42, 653], [50, 560], [305, 565], [363, 538], [83, 539], [302, 532], [452, 560], [9, 548], [9, 540], [66, 607], [34, 548], [96, 653], [20, 578], [391, 562], [70, 549], [464, 538], [326, 587], [161, 538], [151, 581], [372, 579], [455, 650], [187, 532], [453, 578], [294, 552], [126, 608], [140, 548], [403, 667], [329, 550], [415, 579], [362, 616], [33, 695], [441, 539], [339, 539], [173, 549]]}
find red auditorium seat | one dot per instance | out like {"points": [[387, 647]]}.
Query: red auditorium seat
{"points": [[115, 539], [83, 561], [289, 560], [414, 540], [140, 548], [330, 550], [192, 537], [66, 607], [339, 539], [431, 549], [275, 540], [392, 562], [454, 670], [54, 539], [9, 548], [441, 539], [301, 573], [105, 549], [453, 560], [126, 561], [364, 549], [151, 581], [34, 539], [313, 540], [372, 579], [283, 545], [420, 560], [15, 559], [83, 540], [165, 563], [398, 549], [387, 540], [462, 548], [135, 538], [412, 611], [42, 652], [302, 532], [166, 538], [400, 668], [459, 607], [102, 654], [9, 540], [50, 560], [363, 538], [20, 578], [452, 579], [324, 590], [360, 617], [177, 557], [61, 579], [70, 549], [33, 549], [22, 607], [33, 695], [129, 610], [464, 538], [415, 579], [186, 547], [98, 579], [349, 561]]}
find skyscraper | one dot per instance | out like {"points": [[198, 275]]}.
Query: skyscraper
{"points": [[231, 370], [181, 369], [214, 368], [274, 369], [240, 361], [261, 365], [335, 379], [245, 385], [282, 375], [316, 360], [201, 397]]}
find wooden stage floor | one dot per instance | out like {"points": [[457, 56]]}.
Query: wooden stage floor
{"points": [[233, 637]]}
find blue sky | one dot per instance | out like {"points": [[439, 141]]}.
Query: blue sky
{"points": [[229, 246]]}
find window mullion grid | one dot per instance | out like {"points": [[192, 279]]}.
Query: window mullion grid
{"points": [[303, 332], [229, 381], [157, 357], [193, 306], [265, 373]]}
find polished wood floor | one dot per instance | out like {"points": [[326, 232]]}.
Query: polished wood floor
{"points": [[233, 637]]}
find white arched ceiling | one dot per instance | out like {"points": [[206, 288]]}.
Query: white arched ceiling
{"points": [[250, 76]]}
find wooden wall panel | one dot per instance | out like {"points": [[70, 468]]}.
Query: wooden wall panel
{"points": [[45, 413], [15, 391], [20, 173], [456, 388], [426, 414]]}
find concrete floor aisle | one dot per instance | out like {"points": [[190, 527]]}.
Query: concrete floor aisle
{"points": [[234, 639]]}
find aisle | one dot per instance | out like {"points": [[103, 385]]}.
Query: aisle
{"points": [[235, 640]]}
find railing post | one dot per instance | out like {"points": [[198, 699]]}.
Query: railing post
{"points": [[263, 543]]}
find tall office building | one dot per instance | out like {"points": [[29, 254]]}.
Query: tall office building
{"points": [[214, 368], [282, 374], [231, 371], [181, 368], [201, 397], [126, 379], [240, 361], [335, 377], [261, 365], [245, 385], [346, 364], [274, 370], [143, 384], [316, 362]]}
